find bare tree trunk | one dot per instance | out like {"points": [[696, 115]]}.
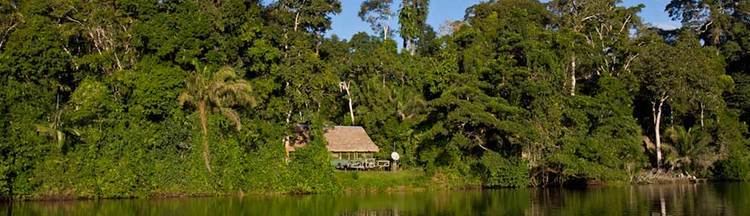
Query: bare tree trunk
{"points": [[385, 32], [204, 128], [5, 34], [412, 48], [318, 43], [573, 76], [702, 108], [289, 116], [409, 46], [286, 141], [383, 77], [351, 108], [286, 44], [657, 109], [297, 14], [296, 21], [345, 87], [117, 60]]}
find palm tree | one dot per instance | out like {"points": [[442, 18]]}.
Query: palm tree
{"points": [[688, 149], [56, 133], [219, 92]]}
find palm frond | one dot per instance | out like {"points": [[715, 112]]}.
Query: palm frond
{"points": [[233, 117], [185, 98], [44, 129], [51, 132], [233, 94], [224, 74], [194, 91]]}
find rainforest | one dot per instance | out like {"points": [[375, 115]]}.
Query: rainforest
{"points": [[146, 98]]}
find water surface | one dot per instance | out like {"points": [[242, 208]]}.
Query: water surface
{"points": [[699, 199]]}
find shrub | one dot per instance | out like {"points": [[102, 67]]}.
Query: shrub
{"points": [[498, 171], [311, 169], [736, 167]]}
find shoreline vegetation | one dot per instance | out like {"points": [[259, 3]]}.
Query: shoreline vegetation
{"points": [[143, 98], [406, 181]]}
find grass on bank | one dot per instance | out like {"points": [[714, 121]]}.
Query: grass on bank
{"points": [[404, 180]]}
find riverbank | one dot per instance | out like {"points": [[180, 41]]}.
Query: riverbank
{"points": [[401, 181], [653, 177], [412, 180], [353, 182]]}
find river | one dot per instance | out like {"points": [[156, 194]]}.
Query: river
{"points": [[685, 199]]}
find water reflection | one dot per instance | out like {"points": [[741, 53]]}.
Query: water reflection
{"points": [[702, 199]]}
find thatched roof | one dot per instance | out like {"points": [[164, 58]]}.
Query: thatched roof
{"points": [[349, 139]]}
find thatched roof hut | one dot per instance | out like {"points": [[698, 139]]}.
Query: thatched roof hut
{"points": [[349, 139], [343, 142]]}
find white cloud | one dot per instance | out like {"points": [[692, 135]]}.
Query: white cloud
{"points": [[667, 25]]}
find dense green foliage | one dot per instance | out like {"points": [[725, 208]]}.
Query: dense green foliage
{"points": [[120, 98]]}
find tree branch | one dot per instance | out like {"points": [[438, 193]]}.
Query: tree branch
{"points": [[625, 23]]}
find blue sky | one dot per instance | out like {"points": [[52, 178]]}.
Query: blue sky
{"points": [[347, 23]]}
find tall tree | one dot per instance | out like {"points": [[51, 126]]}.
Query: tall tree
{"points": [[378, 14], [712, 19], [299, 17], [663, 81], [673, 85], [413, 18], [302, 78], [106, 29], [726, 26], [595, 36]]}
